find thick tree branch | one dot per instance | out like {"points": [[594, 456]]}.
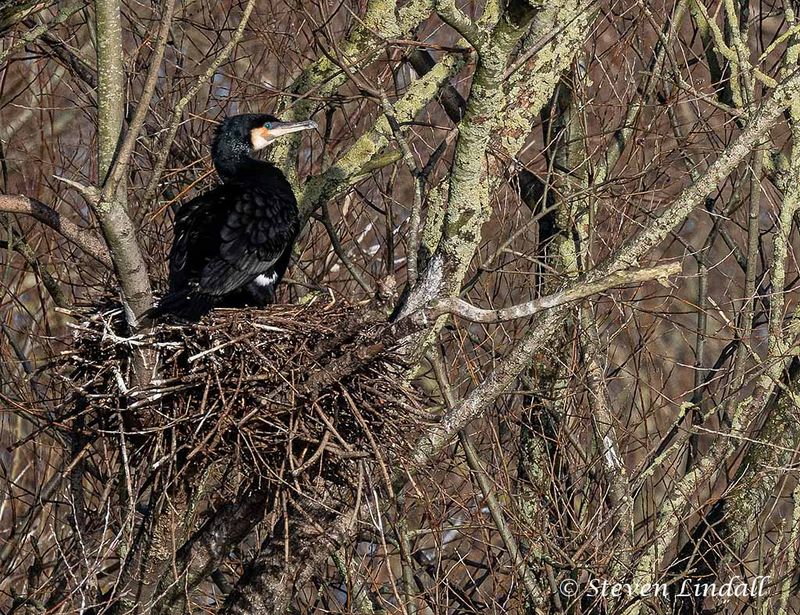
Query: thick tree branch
{"points": [[120, 166], [460, 22], [204, 551], [86, 241], [111, 211], [14, 11], [459, 307], [499, 113]]}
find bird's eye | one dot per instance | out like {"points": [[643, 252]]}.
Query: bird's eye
{"points": [[268, 125]]}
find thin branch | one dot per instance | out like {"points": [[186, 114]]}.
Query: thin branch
{"points": [[19, 245], [412, 244], [326, 221], [69, 59], [90, 193], [39, 30], [479, 471], [177, 114]]}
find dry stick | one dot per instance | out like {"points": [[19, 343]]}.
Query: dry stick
{"points": [[405, 554], [359, 595], [86, 241], [274, 594], [626, 130], [743, 416], [751, 492], [201, 554], [627, 255], [172, 129], [663, 450]]}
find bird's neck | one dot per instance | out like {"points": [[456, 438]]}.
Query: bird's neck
{"points": [[231, 162]]}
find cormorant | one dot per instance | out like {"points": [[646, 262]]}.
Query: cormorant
{"points": [[232, 244]]}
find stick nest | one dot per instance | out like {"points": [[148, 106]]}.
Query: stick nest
{"points": [[285, 393]]}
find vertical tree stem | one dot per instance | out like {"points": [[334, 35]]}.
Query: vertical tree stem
{"points": [[118, 230]]}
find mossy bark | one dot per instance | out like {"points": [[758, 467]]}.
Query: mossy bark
{"points": [[500, 111], [352, 164], [381, 19]]}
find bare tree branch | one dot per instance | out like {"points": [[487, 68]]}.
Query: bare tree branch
{"points": [[91, 245], [627, 255], [462, 309], [117, 227]]}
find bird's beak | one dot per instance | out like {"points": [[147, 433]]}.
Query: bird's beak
{"points": [[261, 137], [278, 129]]}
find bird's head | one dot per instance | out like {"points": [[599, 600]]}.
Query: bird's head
{"points": [[267, 128], [239, 136], [254, 131]]}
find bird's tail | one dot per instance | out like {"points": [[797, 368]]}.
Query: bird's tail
{"points": [[189, 306]]}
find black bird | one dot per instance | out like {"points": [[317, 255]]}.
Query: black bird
{"points": [[232, 244]]}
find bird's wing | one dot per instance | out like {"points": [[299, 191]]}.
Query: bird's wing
{"points": [[196, 230], [256, 231]]}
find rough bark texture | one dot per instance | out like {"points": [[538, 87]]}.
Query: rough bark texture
{"points": [[118, 230]]}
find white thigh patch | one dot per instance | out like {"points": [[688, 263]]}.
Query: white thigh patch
{"points": [[266, 280]]}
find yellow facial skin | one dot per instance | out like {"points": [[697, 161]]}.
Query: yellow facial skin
{"points": [[261, 136]]}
